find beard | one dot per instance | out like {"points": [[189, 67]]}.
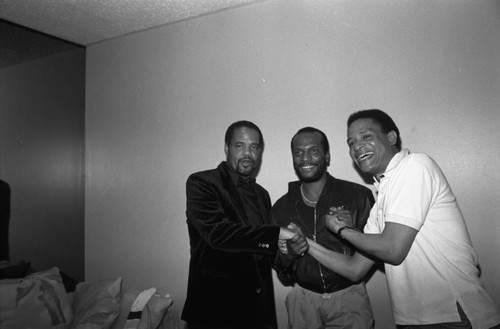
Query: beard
{"points": [[245, 169], [313, 176]]}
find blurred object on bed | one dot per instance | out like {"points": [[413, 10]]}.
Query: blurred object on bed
{"points": [[40, 300]]}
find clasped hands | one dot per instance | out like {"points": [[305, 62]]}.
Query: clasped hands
{"points": [[292, 241], [337, 217]]}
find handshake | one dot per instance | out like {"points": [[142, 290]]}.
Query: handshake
{"points": [[292, 241]]}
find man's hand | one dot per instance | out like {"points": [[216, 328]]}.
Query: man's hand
{"points": [[286, 233], [337, 217], [297, 246]]}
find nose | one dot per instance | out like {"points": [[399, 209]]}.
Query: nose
{"points": [[247, 150], [306, 156], [357, 145]]}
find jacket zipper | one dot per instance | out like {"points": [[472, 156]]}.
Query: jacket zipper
{"points": [[325, 294]]}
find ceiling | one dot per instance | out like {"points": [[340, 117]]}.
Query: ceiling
{"points": [[85, 22]]}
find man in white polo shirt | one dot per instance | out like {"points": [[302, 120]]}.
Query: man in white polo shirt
{"points": [[417, 229]]}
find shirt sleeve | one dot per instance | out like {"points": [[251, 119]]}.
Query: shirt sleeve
{"points": [[409, 194], [372, 225]]}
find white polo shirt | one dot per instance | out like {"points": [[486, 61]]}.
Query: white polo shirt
{"points": [[441, 266]]}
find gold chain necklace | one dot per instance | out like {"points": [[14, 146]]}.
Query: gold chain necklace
{"points": [[304, 197]]}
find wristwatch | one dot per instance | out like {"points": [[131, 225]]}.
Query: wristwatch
{"points": [[341, 229]]}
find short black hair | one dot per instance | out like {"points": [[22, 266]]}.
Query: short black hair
{"points": [[240, 124], [382, 118], [324, 139]]}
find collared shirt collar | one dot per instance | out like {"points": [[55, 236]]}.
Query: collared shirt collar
{"points": [[395, 161]]}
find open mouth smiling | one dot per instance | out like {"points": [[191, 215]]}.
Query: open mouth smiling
{"points": [[364, 156], [307, 167]]}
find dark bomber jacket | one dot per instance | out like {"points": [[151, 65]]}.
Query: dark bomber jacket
{"points": [[306, 271]]}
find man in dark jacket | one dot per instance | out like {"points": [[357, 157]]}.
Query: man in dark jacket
{"points": [[320, 298], [232, 241]]}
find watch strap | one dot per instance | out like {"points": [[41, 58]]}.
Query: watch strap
{"points": [[339, 232]]}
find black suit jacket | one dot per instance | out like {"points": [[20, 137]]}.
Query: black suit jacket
{"points": [[230, 279]]}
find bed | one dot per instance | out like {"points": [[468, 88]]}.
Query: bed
{"points": [[41, 300]]}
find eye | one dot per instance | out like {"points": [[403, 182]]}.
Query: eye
{"points": [[255, 147], [237, 145]]}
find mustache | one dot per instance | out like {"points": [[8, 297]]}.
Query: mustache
{"points": [[247, 159]]}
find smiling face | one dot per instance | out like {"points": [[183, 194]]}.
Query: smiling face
{"points": [[370, 147], [244, 152], [309, 158]]}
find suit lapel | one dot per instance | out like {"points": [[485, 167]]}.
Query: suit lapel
{"points": [[264, 212], [236, 202], [237, 205]]}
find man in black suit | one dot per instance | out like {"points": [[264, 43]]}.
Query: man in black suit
{"points": [[232, 242]]}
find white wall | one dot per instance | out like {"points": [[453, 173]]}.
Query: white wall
{"points": [[158, 104]]}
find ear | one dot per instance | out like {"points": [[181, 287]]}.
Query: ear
{"points": [[392, 137], [226, 148], [327, 159]]}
